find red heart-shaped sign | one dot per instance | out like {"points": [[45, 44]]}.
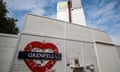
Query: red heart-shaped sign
{"points": [[43, 46]]}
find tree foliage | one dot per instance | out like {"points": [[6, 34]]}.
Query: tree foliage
{"points": [[7, 24]]}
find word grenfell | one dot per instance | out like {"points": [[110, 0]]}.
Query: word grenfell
{"points": [[39, 55]]}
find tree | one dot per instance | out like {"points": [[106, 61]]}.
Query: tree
{"points": [[7, 24]]}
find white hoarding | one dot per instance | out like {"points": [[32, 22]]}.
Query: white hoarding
{"points": [[108, 58], [49, 45], [41, 46], [39, 54], [7, 50]]}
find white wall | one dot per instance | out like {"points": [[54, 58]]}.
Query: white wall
{"points": [[78, 16], [108, 58], [118, 50], [73, 41], [7, 51]]}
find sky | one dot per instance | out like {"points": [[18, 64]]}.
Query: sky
{"points": [[100, 14]]}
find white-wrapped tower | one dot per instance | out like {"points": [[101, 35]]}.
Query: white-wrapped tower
{"points": [[77, 13]]}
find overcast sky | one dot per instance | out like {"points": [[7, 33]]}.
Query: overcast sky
{"points": [[100, 14]]}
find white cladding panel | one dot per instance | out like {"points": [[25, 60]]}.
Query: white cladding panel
{"points": [[118, 50], [7, 51], [76, 32], [76, 3], [20, 66], [73, 51], [62, 15], [44, 26], [6, 57], [90, 57], [109, 60], [84, 52], [78, 17], [101, 36], [8, 40]]}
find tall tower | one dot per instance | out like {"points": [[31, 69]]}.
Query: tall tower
{"points": [[77, 14]]}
